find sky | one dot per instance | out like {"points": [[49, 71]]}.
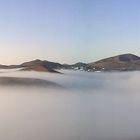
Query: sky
{"points": [[68, 31]]}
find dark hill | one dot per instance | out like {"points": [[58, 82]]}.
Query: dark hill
{"points": [[47, 64], [121, 62], [38, 68], [41, 66]]}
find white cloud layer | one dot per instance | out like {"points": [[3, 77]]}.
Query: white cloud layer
{"points": [[93, 106]]}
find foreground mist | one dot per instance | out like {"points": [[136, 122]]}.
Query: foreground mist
{"points": [[90, 106]]}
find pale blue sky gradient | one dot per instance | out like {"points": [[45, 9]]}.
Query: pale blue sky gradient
{"points": [[68, 31]]}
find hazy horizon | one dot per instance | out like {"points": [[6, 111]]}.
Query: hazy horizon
{"points": [[65, 61], [68, 31]]}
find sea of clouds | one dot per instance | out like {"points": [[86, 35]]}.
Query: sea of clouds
{"points": [[91, 106]]}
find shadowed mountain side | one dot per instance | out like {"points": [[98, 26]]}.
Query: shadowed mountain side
{"points": [[78, 65], [16, 81], [121, 62]]}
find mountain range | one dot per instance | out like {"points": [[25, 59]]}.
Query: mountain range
{"points": [[124, 62]]}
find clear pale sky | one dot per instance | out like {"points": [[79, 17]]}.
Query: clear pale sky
{"points": [[68, 31]]}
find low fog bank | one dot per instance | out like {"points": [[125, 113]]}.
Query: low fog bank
{"points": [[122, 82], [27, 82], [92, 106]]}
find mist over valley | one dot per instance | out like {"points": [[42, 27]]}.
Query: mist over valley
{"points": [[75, 105]]}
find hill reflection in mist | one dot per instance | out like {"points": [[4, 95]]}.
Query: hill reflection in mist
{"points": [[92, 106]]}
